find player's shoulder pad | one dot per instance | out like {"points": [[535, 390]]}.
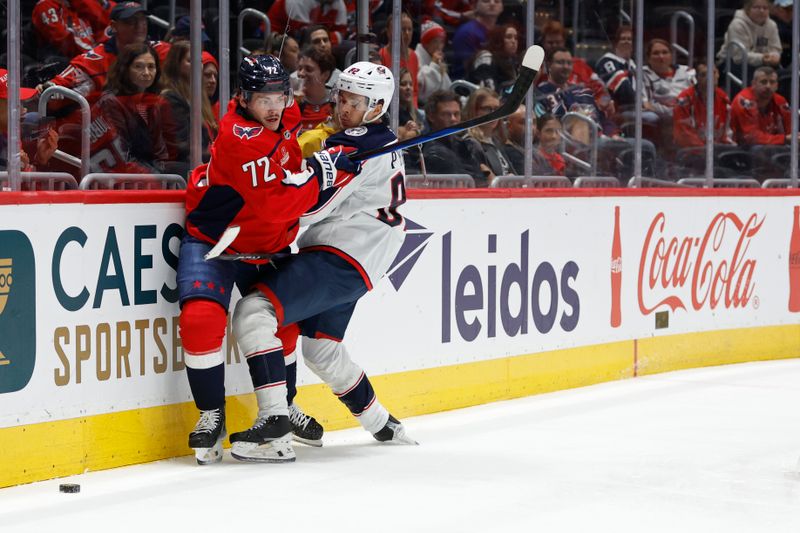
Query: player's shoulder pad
{"points": [[362, 137]]}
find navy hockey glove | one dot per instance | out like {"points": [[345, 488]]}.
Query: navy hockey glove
{"points": [[333, 168]]}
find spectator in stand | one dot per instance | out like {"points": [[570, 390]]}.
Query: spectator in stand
{"points": [[781, 13], [497, 66], [87, 73], [554, 35], [558, 96], [176, 107], [126, 121], [759, 115], [317, 36], [664, 80], [411, 119], [285, 48], [471, 36], [331, 14], [452, 12], [43, 140], [481, 144], [71, 27], [689, 112], [182, 32], [515, 138], [617, 69], [432, 75], [408, 58], [315, 72], [752, 27], [547, 160], [211, 81], [442, 156]]}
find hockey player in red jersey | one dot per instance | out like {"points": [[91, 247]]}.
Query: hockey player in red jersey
{"points": [[255, 180], [353, 234]]}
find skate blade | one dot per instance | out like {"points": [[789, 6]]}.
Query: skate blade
{"points": [[208, 456], [400, 437], [316, 443], [276, 451]]}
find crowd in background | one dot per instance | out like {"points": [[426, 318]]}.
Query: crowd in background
{"points": [[138, 86]]}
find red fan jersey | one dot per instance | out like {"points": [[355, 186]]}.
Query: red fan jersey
{"points": [[753, 126], [71, 27], [249, 183]]}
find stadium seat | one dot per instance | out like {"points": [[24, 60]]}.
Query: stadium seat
{"points": [[533, 182], [597, 182]]}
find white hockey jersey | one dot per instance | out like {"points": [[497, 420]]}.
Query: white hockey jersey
{"points": [[360, 222]]}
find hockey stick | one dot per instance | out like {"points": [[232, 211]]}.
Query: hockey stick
{"points": [[531, 64], [225, 240], [243, 257]]}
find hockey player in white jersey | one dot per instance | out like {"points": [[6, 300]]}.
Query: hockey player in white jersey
{"points": [[353, 234]]}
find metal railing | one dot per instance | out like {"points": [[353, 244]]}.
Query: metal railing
{"points": [[596, 182], [104, 180], [165, 24], [730, 76], [722, 183], [594, 132], [532, 182], [86, 121], [53, 181], [439, 181], [673, 32], [241, 51]]}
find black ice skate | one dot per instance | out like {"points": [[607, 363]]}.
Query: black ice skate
{"points": [[269, 440], [394, 431], [305, 429], [206, 437]]}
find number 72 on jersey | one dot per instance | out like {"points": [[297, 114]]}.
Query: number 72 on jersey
{"points": [[253, 168]]}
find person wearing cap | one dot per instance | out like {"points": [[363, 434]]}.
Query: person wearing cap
{"points": [[432, 75], [211, 80], [71, 27], [87, 73], [44, 143]]}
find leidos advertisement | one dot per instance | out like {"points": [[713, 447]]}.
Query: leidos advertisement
{"points": [[89, 314]]}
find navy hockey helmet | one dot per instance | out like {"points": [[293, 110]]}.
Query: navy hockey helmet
{"points": [[263, 74]]}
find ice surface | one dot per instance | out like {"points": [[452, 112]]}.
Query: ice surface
{"points": [[708, 450]]}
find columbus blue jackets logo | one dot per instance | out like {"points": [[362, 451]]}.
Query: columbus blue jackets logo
{"points": [[356, 132], [247, 132]]}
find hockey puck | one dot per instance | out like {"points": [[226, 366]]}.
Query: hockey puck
{"points": [[70, 488]]}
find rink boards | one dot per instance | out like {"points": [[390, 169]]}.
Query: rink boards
{"points": [[492, 297]]}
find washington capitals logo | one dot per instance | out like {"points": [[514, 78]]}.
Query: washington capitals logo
{"points": [[414, 244], [247, 132]]}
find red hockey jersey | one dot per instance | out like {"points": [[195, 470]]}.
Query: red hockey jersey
{"points": [[248, 183]]}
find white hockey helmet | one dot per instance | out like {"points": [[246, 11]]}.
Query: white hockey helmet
{"points": [[371, 80]]}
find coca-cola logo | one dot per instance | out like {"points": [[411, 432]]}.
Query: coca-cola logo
{"points": [[706, 270]]}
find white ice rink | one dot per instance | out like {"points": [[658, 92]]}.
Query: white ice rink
{"points": [[709, 450]]}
